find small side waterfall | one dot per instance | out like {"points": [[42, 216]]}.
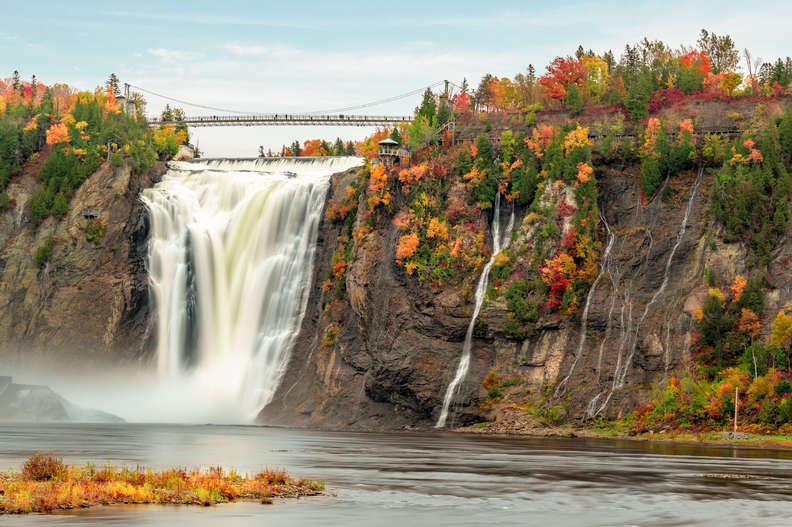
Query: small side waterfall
{"points": [[498, 244], [630, 335], [230, 257]]}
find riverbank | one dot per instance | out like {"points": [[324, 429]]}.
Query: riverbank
{"points": [[525, 426], [46, 484]]}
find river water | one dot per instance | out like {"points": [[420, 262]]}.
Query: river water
{"points": [[428, 479]]}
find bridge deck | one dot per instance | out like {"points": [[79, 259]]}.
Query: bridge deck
{"points": [[289, 119]]}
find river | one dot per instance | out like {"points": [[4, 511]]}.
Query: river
{"points": [[385, 479]]}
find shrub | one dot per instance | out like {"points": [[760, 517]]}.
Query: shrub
{"points": [[42, 467], [785, 410], [5, 201], [783, 388], [769, 413], [95, 230], [43, 253], [117, 159]]}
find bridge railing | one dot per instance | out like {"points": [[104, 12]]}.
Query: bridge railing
{"points": [[285, 118]]}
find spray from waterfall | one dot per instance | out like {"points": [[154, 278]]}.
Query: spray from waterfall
{"points": [[230, 257], [498, 244]]}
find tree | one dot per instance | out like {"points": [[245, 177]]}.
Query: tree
{"points": [[465, 87], [338, 147], [15, 82], [112, 83], [573, 100], [167, 113], [721, 50], [396, 136], [561, 73], [428, 107], [638, 96]]}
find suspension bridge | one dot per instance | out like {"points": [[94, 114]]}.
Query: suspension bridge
{"points": [[347, 116]]}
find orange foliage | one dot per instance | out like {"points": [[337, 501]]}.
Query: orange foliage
{"points": [[738, 286], [542, 136], [58, 133], [697, 60], [407, 246], [584, 172], [749, 323]]}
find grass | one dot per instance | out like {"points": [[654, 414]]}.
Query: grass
{"points": [[46, 484]]}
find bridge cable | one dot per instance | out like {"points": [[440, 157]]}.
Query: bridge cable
{"points": [[345, 109]]}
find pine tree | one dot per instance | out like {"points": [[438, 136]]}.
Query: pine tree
{"points": [[785, 132], [112, 83], [428, 107], [396, 136], [573, 101], [350, 149], [465, 87], [338, 147], [15, 83], [638, 95]]}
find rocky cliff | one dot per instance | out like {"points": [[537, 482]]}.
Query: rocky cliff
{"points": [[381, 354], [88, 299]]}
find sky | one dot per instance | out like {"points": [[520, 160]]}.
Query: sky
{"points": [[289, 57]]}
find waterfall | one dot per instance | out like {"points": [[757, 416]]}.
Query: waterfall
{"points": [[584, 317], [630, 337], [498, 244], [230, 259]]}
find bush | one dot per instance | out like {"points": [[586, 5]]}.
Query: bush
{"points": [[785, 410], [5, 201], [769, 413], [783, 388], [95, 230], [117, 159], [43, 253], [43, 467]]}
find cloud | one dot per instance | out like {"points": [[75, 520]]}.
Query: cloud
{"points": [[172, 56]]}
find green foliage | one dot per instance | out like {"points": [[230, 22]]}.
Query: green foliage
{"points": [[650, 176], [638, 96], [783, 388], [573, 100], [43, 252], [428, 108], [420, 133], [59, 205], [95, 230], [5, 201], [785, 132]]}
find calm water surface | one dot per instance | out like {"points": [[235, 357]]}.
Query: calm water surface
{"points": [[428, 479]]}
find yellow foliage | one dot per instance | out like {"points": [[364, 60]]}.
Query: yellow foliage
{"points": [[714, 291], [584, 172], [437, 229], [781, 330], [575, 139], [58, 133]]}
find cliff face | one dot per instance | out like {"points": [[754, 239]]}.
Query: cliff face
{"points": [[89, 299], [383, 356]]}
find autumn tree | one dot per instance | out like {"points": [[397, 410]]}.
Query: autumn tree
{"points": [[721, 50], [561, 73]]}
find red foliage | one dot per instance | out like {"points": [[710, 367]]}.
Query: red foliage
{"points": [[561, 73], [663, 98], [565, 209]]}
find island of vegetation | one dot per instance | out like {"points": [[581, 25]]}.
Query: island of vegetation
{"points": [[46, 484]]}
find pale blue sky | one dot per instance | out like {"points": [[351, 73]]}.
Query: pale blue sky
{"points": [[303, 56]]}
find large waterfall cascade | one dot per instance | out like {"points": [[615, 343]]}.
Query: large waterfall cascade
{"points": [[499, 243], [229, 260]]}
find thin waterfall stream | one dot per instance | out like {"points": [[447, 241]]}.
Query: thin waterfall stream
{"points": [[230, 256], [498, 244]]}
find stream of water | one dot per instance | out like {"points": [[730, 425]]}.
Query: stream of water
{"points": [[442, 478], [498, 244]]}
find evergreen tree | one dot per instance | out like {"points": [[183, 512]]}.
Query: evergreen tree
{"points": [[785, 132], [167, 113], [465, 87], [443, 114], [59, 205], [338, 147], [33, 85], [15, 82], [350, 149], [396, 136], [112, 83], [573, 101], [428, 107], [638, 95], [296, 148]]}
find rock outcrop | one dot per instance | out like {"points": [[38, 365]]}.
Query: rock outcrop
{"points": [[395, 344], [89, 299]]}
